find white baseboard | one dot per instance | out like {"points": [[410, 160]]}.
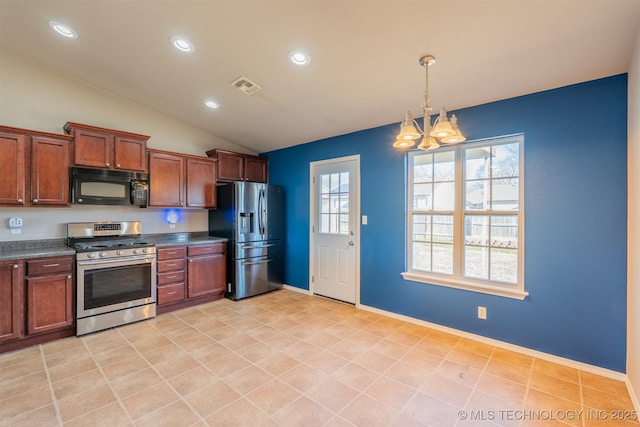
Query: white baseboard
{"points": [[608, 373], [296, 289], [632, 394]]}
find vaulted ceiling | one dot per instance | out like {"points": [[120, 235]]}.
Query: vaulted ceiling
{"points": [[364, 69]]}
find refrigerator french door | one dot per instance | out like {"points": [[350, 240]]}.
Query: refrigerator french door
{"points": [[251, 216]]}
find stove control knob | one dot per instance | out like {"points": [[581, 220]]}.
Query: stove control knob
{"points": [[145, 250], [103, 254], [92, 255], [136, 251], [120, 253]]}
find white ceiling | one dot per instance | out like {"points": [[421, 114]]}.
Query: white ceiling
{"points": [[364, 69]]}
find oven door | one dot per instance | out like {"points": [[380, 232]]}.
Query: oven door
{"points": [[106, 285]]}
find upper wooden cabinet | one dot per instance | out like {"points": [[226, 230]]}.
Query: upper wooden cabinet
{"points": [[240, 167], [34, 168], [178, 180], [106, 148]]}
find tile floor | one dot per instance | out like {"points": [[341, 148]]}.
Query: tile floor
{"points": [[290, 359]]}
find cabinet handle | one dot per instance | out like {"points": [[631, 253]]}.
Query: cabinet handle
{"points": [[171, 277], [171, 265], [172, 293], [51, 265], [15, 266], [171, 253]]}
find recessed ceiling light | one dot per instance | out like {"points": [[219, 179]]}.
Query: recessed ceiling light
{"points": [[63, 30], [299, 57], [211, 104], [182, 45]]}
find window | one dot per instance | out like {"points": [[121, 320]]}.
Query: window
{"points": [[465, 217], [334, 206]]}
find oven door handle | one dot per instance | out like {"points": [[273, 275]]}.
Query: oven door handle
{"points": [[89, 263]]}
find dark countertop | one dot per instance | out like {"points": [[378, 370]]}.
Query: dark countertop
{"points": [[29, 249]]}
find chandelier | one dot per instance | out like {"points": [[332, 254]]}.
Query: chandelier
{"points": [[443, 131]]}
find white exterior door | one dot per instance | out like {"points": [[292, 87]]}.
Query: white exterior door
{"points": [[335, 231]]}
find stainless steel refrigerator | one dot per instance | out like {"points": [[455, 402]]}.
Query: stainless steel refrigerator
{"points": [[251, 216]]}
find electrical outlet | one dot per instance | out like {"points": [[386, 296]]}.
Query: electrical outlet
{"points": [[482, 312]]}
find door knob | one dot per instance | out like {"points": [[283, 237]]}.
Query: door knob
{"points": [[351, 243]]}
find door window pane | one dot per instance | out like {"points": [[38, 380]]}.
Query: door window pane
{"points": [[334, 203]]}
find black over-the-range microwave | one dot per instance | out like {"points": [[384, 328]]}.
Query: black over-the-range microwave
{"points": [[109, 187]]}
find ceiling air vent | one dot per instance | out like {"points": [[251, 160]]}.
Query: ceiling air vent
{"points": [[245, 85]]}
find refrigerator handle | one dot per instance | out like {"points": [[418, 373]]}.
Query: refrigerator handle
{"points": [[261, 212]]}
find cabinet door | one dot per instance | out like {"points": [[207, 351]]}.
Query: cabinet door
{"points": [[130, 154], [230, 166], [201, 183], [166, 180], [206, 275], [92, 149], [255, 169], [12, 169], [49, 171], [11, 315], [49, 302]]}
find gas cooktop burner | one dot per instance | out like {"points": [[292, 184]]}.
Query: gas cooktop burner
{"points": [[108, 239], [98, 245]]}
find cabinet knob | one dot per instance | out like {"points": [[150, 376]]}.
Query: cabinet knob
{"points": [[117, 165], [68, 276], [19, 200], [15, 266], [107, 164], [35, 200]]}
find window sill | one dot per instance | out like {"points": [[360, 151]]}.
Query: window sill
{"points": [[500, 291]]}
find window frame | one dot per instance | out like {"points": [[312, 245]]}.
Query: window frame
{"points": [[457, 279]]}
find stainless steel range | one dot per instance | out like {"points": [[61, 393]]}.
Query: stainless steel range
{"points": [[116, 274]]}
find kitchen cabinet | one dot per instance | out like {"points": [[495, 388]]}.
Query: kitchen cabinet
{"points": [[49, 284], [11, 310], [40, 298], [166, 179], [240, 167], [206, 269], [171, 275], [34, 168], [179, 180], [107, 148]]}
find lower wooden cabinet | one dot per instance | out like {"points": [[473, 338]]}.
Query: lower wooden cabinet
{"points": [[189, 275], [11, 295], [40, 292]]}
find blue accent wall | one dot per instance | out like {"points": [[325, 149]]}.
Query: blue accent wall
{"points": [[575, 171]]}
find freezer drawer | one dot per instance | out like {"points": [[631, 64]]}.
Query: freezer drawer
{"points": [[268, 248], [256, 276]]}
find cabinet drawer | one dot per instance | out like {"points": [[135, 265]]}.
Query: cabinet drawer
{"points": [[171, 277], [170, 293], [170, 265], [49, 265], [171, 253], [215, 248]]}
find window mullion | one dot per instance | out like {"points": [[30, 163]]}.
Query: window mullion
{"points": [[458, 217]]}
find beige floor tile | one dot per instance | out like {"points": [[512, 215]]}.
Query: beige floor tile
{"points": [[176, 366], [505, 389], [460, 374], [133, 383], [476, 347], [71, 369], [303, 412], [248, 379], [408, 374], [23, 384], [192, 380], [332, 394], [72, 407], [512, 358], [78, 384], [468, 358], [241, 413], [355, 376], [390, 392], [600, 400], [111, 415], [603, 384], [211, 398], [125, 366], [302, 377], [148, 400], [555, 386], [20, 369], [19, 356], [44, 416], [431, 411], [326, 362], [104, 341], [26, 402], [256, 352], [446, 390], [555, 370], [365, 411], [227, 365], [175, 414], [516, 373], [273, 396]]}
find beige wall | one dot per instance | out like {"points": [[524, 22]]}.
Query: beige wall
{"points": [[36, 97], [633, 256]]}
